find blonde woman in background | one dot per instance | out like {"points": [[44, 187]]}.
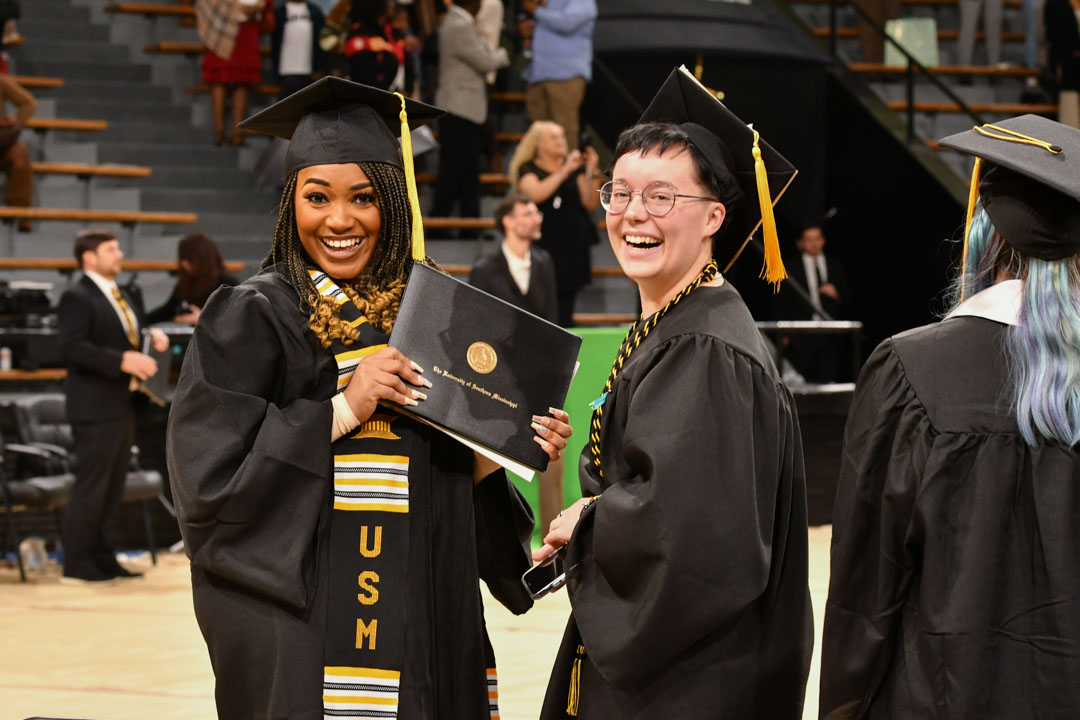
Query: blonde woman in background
{"points": [[564, 185]]}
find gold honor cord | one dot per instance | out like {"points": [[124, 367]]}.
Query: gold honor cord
{"points": [[630, 343], [419, 252], [1017, 137], [1006, 135]]}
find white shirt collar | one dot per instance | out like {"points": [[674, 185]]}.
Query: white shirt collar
{"points": [[101, 281], [1000, 302], [520, 268]]}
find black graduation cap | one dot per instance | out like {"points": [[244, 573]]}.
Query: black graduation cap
{"points": [[336, 121], [746, 165], [1027, 174]]}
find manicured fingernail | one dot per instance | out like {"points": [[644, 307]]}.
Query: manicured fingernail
{"points": [[410, 401], [554, 411], [427, 383], [539, 428], [539, 440], [418, 394], [416, 367]]}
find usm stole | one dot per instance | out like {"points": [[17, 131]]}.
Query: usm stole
{"points": [[369, 545]]}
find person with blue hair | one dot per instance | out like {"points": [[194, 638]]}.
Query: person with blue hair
{"points": [[955, 578]]}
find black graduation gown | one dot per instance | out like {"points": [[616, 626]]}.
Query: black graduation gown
{"points": [[250, 462], [689, 575], [955, 583]]}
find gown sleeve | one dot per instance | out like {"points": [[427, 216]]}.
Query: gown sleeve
{"points": [[887, 440], [250, 476], [709, 440], [504, 526]]}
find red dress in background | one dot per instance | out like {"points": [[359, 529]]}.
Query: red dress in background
{"points": [[244, 67]]}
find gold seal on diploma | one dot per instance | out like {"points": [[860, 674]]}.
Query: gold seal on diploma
{"points": [[482, 357]]}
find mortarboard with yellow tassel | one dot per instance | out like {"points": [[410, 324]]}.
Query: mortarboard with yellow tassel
{"points": [[335, 121], [752, 174], [1027, 177]]}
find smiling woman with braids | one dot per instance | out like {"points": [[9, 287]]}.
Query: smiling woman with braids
{"points": [[688, 556], [335, 545]]}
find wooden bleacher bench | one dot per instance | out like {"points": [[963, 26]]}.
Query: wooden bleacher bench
{"points": [[595, 319], [1008, 3], [186, 48], [151, 9], [988, 108], [485, 178], [35, 82], [69, 264], [271, 90], [971, 70], [508, 97], [87, 170], [8, 212], [75, 124], [850, 32], [455, 223], [32, 375]]}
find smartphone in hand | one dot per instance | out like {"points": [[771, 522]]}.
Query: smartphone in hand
{"points": [[547, 576]]}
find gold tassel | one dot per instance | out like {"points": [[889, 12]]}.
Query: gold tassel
{"points": [[419, 253], [773, 270], [574, 700], [973, 198]]}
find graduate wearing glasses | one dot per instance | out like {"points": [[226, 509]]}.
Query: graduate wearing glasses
{"points": [[688, 555]]}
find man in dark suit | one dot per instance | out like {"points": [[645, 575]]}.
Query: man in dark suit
{"points": [[523, 274], [816, 357], [518, 271], [100, 331]]}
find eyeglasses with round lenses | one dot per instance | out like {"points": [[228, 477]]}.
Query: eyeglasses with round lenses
{"points": [[657, 197]]}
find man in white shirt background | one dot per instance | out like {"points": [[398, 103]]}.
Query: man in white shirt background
{"points": [[523, 274], [816, 357]]}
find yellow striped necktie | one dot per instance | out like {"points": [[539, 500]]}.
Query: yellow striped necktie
{"points": [[132, 337]]}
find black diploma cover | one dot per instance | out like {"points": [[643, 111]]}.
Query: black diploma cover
{"points": [[492, 365]]}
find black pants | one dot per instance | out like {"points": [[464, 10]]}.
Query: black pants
{"points": [[565, 303], [459, 167], [102, 454]]}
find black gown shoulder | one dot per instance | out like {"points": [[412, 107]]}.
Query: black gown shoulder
{"points": [[955, 573]]}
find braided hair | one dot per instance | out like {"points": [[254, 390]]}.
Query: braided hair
{"points": [[377, 291]]}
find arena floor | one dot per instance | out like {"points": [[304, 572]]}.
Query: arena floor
{"points": [[134, 652]]}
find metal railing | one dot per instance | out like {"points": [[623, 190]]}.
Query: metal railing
{"points": [[913, 65]]}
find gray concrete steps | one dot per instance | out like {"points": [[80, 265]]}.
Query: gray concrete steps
{"points": [[216, 200], [34, 28], [133, 131], [125, 70], [197, 177], [74, 51], [118, 111], [258, 226], [156, 155], [117, 91]]}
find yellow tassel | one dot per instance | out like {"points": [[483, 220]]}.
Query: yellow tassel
{"points": [[418, 251], [973, 198], [574, 700], [773, 270]]}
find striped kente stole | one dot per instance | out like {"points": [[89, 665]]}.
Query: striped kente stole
{"points": [[369, 545]]}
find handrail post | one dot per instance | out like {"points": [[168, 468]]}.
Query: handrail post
{"points": [[832, 27], [910, 103]]}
